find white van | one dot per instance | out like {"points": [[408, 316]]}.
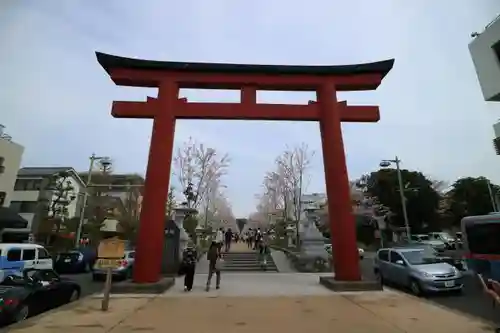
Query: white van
{"points": [[16, 257]]}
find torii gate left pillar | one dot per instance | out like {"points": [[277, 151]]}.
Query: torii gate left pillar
{"points": [[169, 77]]}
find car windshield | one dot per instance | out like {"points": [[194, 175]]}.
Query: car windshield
{"points": [[420, 257], [445, 236]]}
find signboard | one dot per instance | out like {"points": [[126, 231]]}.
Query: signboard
{"points": [[111, 248], [109, 252], [108, 263]]}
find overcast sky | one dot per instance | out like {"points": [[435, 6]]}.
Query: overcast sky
{"points": [[55, 98]]}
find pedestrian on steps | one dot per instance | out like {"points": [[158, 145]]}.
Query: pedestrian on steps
{"points": [[189, 259], [214, 260], [228, 239]]}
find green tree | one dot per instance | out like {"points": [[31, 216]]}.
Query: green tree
{"points": [[422, 200], [469, 196], [190, 223]]}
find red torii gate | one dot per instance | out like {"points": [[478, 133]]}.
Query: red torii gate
{"points": [[169, 77]]}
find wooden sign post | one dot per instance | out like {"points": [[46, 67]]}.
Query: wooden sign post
{"points": [[109, 252]]}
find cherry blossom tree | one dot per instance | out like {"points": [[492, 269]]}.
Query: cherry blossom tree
{"points": [[200, 166], [283, 187]]}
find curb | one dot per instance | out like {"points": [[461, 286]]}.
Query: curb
{"points": [[457, 312]]}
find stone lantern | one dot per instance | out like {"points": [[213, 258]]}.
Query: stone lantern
{"points": [[179, 215], [199, 234]]}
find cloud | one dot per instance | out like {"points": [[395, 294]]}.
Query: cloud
{"points": [[55, 99]]}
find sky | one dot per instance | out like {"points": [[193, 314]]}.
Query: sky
{"points": [[55, 98]]}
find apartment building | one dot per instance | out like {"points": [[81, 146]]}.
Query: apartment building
{"points": [[11, 154], [485, 53], [35, 193]]}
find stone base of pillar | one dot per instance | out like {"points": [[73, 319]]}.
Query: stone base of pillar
{"points": [[130, 287], [363, 285]]}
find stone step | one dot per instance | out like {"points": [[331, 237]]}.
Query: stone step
{"points": [[249, 269]]}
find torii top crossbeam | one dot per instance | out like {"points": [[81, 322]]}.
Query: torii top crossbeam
{"points": [[247, 78]]}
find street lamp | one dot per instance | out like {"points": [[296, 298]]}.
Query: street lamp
{"points": [[397, 161], [105, 162]]}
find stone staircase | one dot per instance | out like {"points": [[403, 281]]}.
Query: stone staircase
{"points": [[246, 262]]}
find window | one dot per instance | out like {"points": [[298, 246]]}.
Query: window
{"points": [[2, 167], [28, 185], [383, 255], [14, 255], [24, 206], [43, 254], [29, 254], [45, 275], [483, 238], [395, 257], [3, 195]]}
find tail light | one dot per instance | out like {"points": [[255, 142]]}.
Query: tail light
{"points": [[123, 263], [8, 302]]}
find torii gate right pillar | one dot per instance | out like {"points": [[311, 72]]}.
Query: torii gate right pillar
{"points": [[341, 220]]}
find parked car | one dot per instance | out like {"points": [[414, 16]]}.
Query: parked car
{"points": [[75, 261], [123, 271], [425, 239], [418, 269], [457, 262], [444, 237], [21, 256], [33, 291]]}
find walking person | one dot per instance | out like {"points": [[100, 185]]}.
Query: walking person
{"points": [[219, 239], [257, 239], [228, 239], [189, 259], [249, 238], [214, 258]]}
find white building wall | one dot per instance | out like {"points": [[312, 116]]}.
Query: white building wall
{"points": [[12, 154], [486, 61]]}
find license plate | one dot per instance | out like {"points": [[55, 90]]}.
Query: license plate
{"points": [[449, 284], [67, 260]]}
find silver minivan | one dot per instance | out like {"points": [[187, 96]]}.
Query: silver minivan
{"points": [[418, 269]]}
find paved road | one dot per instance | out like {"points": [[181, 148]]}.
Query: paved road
{"points": [[85, 281]]}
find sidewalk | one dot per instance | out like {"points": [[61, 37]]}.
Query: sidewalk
{"points": [[292, 303], [376, 312]]}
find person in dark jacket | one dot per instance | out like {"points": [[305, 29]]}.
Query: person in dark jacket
{"points": [[228, 239], [213, 257], [189, 259]]}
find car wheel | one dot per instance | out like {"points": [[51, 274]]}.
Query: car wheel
{"points": [[74, 296], [22, 313], [379, 277], [415, 287]]}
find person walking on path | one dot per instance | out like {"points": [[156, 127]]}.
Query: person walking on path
{"points": [[249, 238], [228, 239], [189, 259], [214, 259], [219, 239], [257, 239]]}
